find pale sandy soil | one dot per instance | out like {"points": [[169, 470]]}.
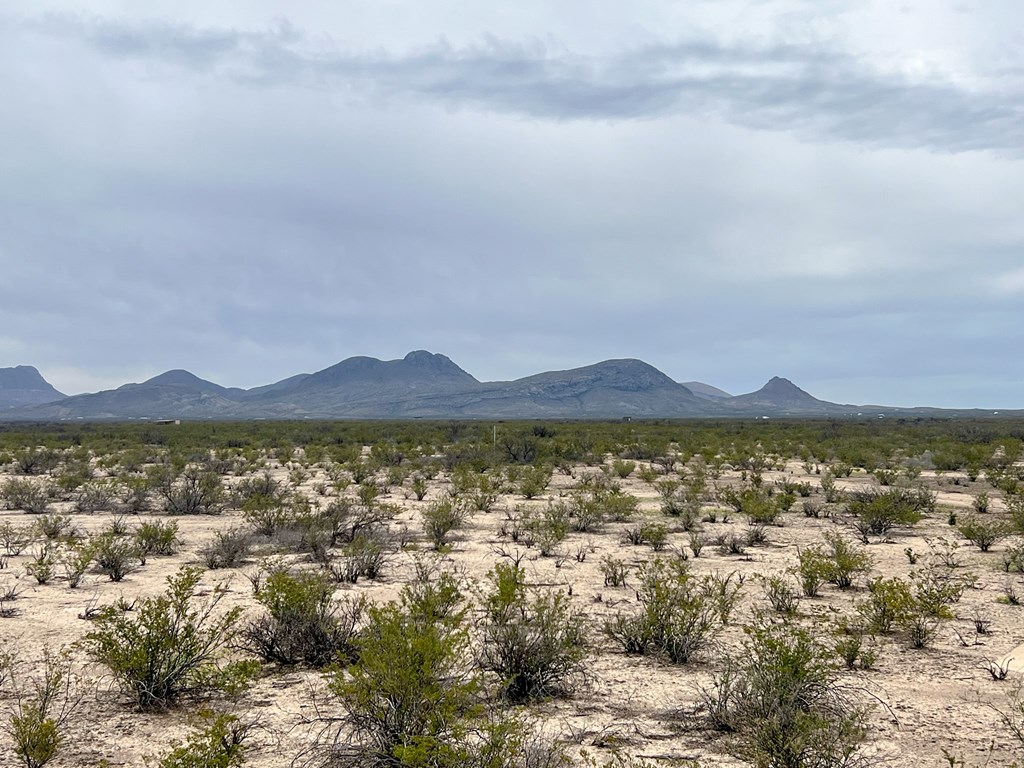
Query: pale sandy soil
{"points": [[929, 699]]}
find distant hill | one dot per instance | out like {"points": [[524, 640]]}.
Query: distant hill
{"points": [[610, 389], [364, 387], [427, 385], [708, 392], [24, 385], [783, 397], [174, 394]]}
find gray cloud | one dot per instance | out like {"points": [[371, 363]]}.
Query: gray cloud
{"points": [[248, 205], [810, 89]]}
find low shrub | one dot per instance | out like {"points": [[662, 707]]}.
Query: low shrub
{"points": [[156, 538], [170, 646], [440, 518], [982, 533], [680, 614], [217, 742], [115, 556], [303, 625], [27, 495], [42, 709], [533, 640], [784, 702], [228, 549]]}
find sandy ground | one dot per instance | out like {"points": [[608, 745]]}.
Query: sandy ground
{"points": [[940, 697]]}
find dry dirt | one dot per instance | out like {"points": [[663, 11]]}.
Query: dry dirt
{"points": [[926, 700]]}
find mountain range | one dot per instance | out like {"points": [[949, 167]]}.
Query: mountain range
{"points": [[422, 385]]}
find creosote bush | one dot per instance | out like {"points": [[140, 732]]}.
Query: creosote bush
{"points": [[409, 698], [442, 517], [171, 646], [27, 495], [981, 532], [783, 701], [680, 615], [194, 492], [42, 708], [219, 741], [303, 624], [533, 640], [414, 698], [877, 512]]}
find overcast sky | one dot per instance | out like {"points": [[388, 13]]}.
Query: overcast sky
{"points": [[728, 190]]}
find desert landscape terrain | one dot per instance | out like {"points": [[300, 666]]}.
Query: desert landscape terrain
{"points": [[903, 575]]}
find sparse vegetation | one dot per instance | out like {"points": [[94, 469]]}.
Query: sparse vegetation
{"points": [[172, 647], [336, 515]]}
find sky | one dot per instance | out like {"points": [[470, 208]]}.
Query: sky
{"points": [[828, 191]]}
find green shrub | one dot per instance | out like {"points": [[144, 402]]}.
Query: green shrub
{"points": [[982, 533], [26, 495], [36, 461], [364, 556], [170, 646], [680, 614], [93, 497], [218, 742], [756, 503], [623, 469], [535, 643], [780, 594], [76, 560], [55, 527], [43, 565], [228, 549], [981, 503], [850, 646], [116, 556], [587, 511], [267, 515], [156, 538], [936, 589], [194, 492], [533, 481], [411, 697], [440, 518], [550, 527], [830, 490], [889, 603], [845, 560], [614, 571], [303, 625], [418, 486], [655, 535], [40, 713], [783, 699], [15, 538], [878, 512], [812, 569]]}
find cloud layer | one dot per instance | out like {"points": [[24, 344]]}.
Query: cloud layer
{"points": [[730, 191]]}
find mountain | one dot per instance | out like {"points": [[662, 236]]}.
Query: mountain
{"points": [[706, 391], [277, 386], [24, 385], [610, 389], [361, 387], [783, 397], [427, 385], [186, 382], [174, 394]]}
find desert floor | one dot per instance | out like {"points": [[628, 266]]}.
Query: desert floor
{"points": [[924, 701]]}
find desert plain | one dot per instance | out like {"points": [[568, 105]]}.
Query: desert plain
{"points": [[948, 703]]}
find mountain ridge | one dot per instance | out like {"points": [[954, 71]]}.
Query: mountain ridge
{"points": [[23, 385], [429, 385]]}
